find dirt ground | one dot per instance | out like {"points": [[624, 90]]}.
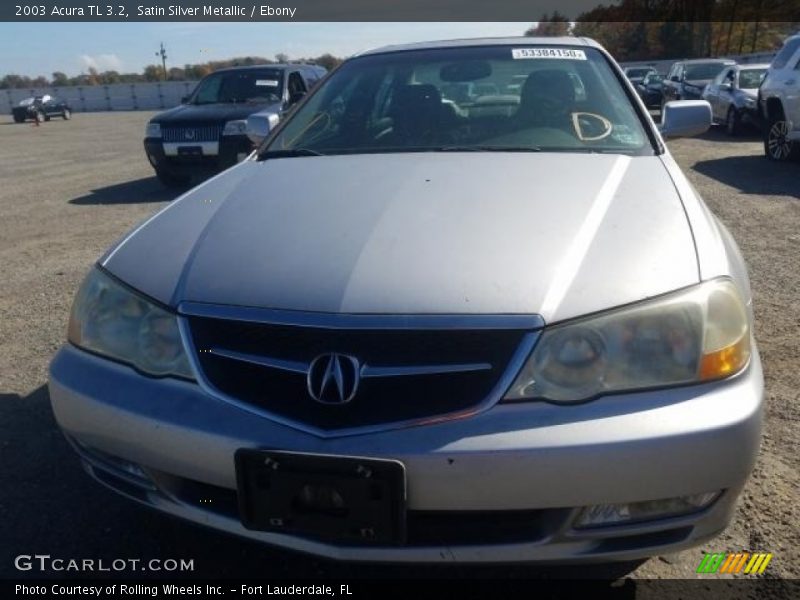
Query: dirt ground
{"points": [[68, 189]]}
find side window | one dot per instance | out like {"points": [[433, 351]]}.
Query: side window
{"points": [[788, 50], [296, 85], [730, 77]]}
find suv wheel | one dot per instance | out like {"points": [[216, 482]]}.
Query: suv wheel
{"points": [[777, 145], [19, 118], [172, 179], [733, 122]]}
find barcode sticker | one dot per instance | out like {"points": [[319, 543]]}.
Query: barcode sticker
{"points": [[568, 53]]}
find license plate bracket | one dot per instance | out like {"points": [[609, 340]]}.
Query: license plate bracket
{"points": [[190, 151], [342, 499]]}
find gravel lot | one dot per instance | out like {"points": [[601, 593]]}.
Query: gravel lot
{"points": [[70, 188]]}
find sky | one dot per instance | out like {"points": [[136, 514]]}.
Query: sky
{"points": [[41, 48]]}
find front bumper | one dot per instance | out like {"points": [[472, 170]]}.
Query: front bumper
{"points": [[168, 444], [217, 156]]}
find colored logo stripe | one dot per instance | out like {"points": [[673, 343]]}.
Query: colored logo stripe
{"points": [[734, 562]]}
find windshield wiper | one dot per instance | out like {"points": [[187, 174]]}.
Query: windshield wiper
{"points": [[486, 149], [290, 153]]}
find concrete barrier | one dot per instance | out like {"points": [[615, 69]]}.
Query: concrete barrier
{"points": [[118, 96]]}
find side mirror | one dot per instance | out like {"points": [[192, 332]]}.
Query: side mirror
{"points": [[685, 118], [184, 99], [259, 125], [295, 97]]}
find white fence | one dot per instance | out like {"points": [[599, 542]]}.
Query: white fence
{"points": [[118, 96]]}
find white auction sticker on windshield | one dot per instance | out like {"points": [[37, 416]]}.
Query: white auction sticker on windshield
{"points": [[568, 53], [267, 82]]}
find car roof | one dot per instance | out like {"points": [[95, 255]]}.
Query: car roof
{"points": [[695, 61], [743, 67], [475, 42], [268, 66]]}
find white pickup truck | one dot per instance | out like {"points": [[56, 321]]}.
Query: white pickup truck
{"points": [[779, 102]]}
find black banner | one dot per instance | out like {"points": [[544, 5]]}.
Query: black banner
{"points": [[390, 10], [444, 589]]}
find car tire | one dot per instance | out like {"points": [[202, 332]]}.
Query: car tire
{"points": [[67, 114], [733, 122], [776, 145], [172, 179], [39, 118], [19, 119]]}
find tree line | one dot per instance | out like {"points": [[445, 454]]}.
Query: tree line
{"points": [[190, 72], [670, 29]]}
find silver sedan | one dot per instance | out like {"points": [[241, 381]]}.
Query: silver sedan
{"points": [[409, 330]]}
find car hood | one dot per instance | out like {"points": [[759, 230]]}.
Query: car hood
{"points": [[554, 234], [701, 83], [220, 113]]}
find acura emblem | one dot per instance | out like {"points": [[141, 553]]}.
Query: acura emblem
{"points": [[333, 378]]}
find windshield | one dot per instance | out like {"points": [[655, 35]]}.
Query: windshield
{"points": [[459, 99], [703, 70], [750, 79], [255, 86], [653, 79]]}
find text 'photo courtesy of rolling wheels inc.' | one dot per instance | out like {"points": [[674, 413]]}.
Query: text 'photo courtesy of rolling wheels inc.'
{"points": [[334, 298]]}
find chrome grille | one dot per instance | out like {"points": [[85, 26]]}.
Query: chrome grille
{"points": [[191, 133]]}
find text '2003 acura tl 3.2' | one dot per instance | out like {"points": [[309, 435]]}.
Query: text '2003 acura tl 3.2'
{"points": [[432, 318]]}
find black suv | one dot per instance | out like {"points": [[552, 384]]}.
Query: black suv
{"points": [[40, 109], [206, 133]]}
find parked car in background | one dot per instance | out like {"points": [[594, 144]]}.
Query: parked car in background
{"points": [[779, 103], [687, 78], [636, 74], [206, 133], [649, 89], [733, 96], [40, 109], [402, 331]]}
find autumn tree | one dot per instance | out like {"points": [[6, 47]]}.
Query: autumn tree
{"points": [[550, 26]]}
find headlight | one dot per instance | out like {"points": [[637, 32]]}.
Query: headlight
{"points": [[153, 130], [109, 319], [750, 102], [235, 128], [695, 335]]}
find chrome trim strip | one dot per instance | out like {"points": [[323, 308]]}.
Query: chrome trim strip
{"points": [[263, 361], [324, 320], [514, 366], [366, 371], [209, 148]]}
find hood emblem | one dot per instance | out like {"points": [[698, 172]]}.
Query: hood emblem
{"points": [[333, 378], [189, 134]]}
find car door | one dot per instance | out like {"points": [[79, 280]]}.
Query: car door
{"points": [[712, 92], [673, 82], [792, 86], [725, 93]]}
